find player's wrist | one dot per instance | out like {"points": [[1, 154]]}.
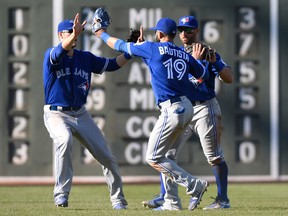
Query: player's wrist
{"points": [[104, 36], [127, 56], [218, 66]]}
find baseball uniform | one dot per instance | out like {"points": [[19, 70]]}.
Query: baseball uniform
{"points": [[206, 123], [169, 67], [67, 81]]}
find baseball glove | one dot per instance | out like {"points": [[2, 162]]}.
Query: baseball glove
{"points": [[101, 19], [133, 36], [189, 49], [208, 53]]}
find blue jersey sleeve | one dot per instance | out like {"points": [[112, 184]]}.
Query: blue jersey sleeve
{"points": [[57, 53], [97, 64], [101, 64], [198, 70], [112, 65], [142, 49]]}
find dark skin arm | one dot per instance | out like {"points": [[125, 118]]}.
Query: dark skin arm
{"points": [[225, 74]]}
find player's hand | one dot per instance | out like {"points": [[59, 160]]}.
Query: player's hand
{"points": [[135, 35], [198, 51], [141, 37], [78, 27]]}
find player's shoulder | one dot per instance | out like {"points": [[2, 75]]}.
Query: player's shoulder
{"points": [[83, 53], [49, 49], [218, 55], [142, 44]]}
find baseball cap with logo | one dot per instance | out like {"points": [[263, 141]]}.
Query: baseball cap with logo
{"points": [[166, 25], [65, 25], [188, 21]]}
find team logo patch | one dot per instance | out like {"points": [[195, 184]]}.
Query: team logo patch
{"points": [[195, 81], [185, 20], [84, 86]]}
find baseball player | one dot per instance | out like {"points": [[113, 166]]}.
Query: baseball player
{"points": [[169, 68], [67, 75], [206, 122]]}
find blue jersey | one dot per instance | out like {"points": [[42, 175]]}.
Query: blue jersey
{"points": [[169, 67], [205, 90], [67, 79]]}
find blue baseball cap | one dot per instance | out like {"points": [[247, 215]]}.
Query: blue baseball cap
{"points": [[166, 25], [65, 25], [188, 21]]}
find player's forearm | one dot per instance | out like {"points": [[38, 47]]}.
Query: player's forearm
{"points": [[226, 75], [123, 59], [69, 41]]}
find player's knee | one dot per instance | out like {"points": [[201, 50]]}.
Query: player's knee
{"points": [[153, 162], [215, 161], [64, 140], [155, 166], [150, 161]]}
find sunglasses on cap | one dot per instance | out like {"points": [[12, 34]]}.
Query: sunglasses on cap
{"points": [[70, 31], [187, 30], [67, 31]]}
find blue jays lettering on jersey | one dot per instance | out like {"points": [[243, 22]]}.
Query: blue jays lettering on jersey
{"points": [[71, 76], [169, 79]]}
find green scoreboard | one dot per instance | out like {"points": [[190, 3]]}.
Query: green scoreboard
{"points": [[245, 33]]}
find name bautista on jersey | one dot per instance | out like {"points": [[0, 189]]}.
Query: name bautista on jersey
{"points": [[173, 52]]}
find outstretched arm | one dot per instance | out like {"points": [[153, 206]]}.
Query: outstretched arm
{"points": [[112, 42]]}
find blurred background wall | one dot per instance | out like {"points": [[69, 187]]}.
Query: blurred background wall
{"points": [[251, 37]]}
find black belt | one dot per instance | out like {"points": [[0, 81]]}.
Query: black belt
{"points": [[194, 103], [60, 108], [175, 99]]}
